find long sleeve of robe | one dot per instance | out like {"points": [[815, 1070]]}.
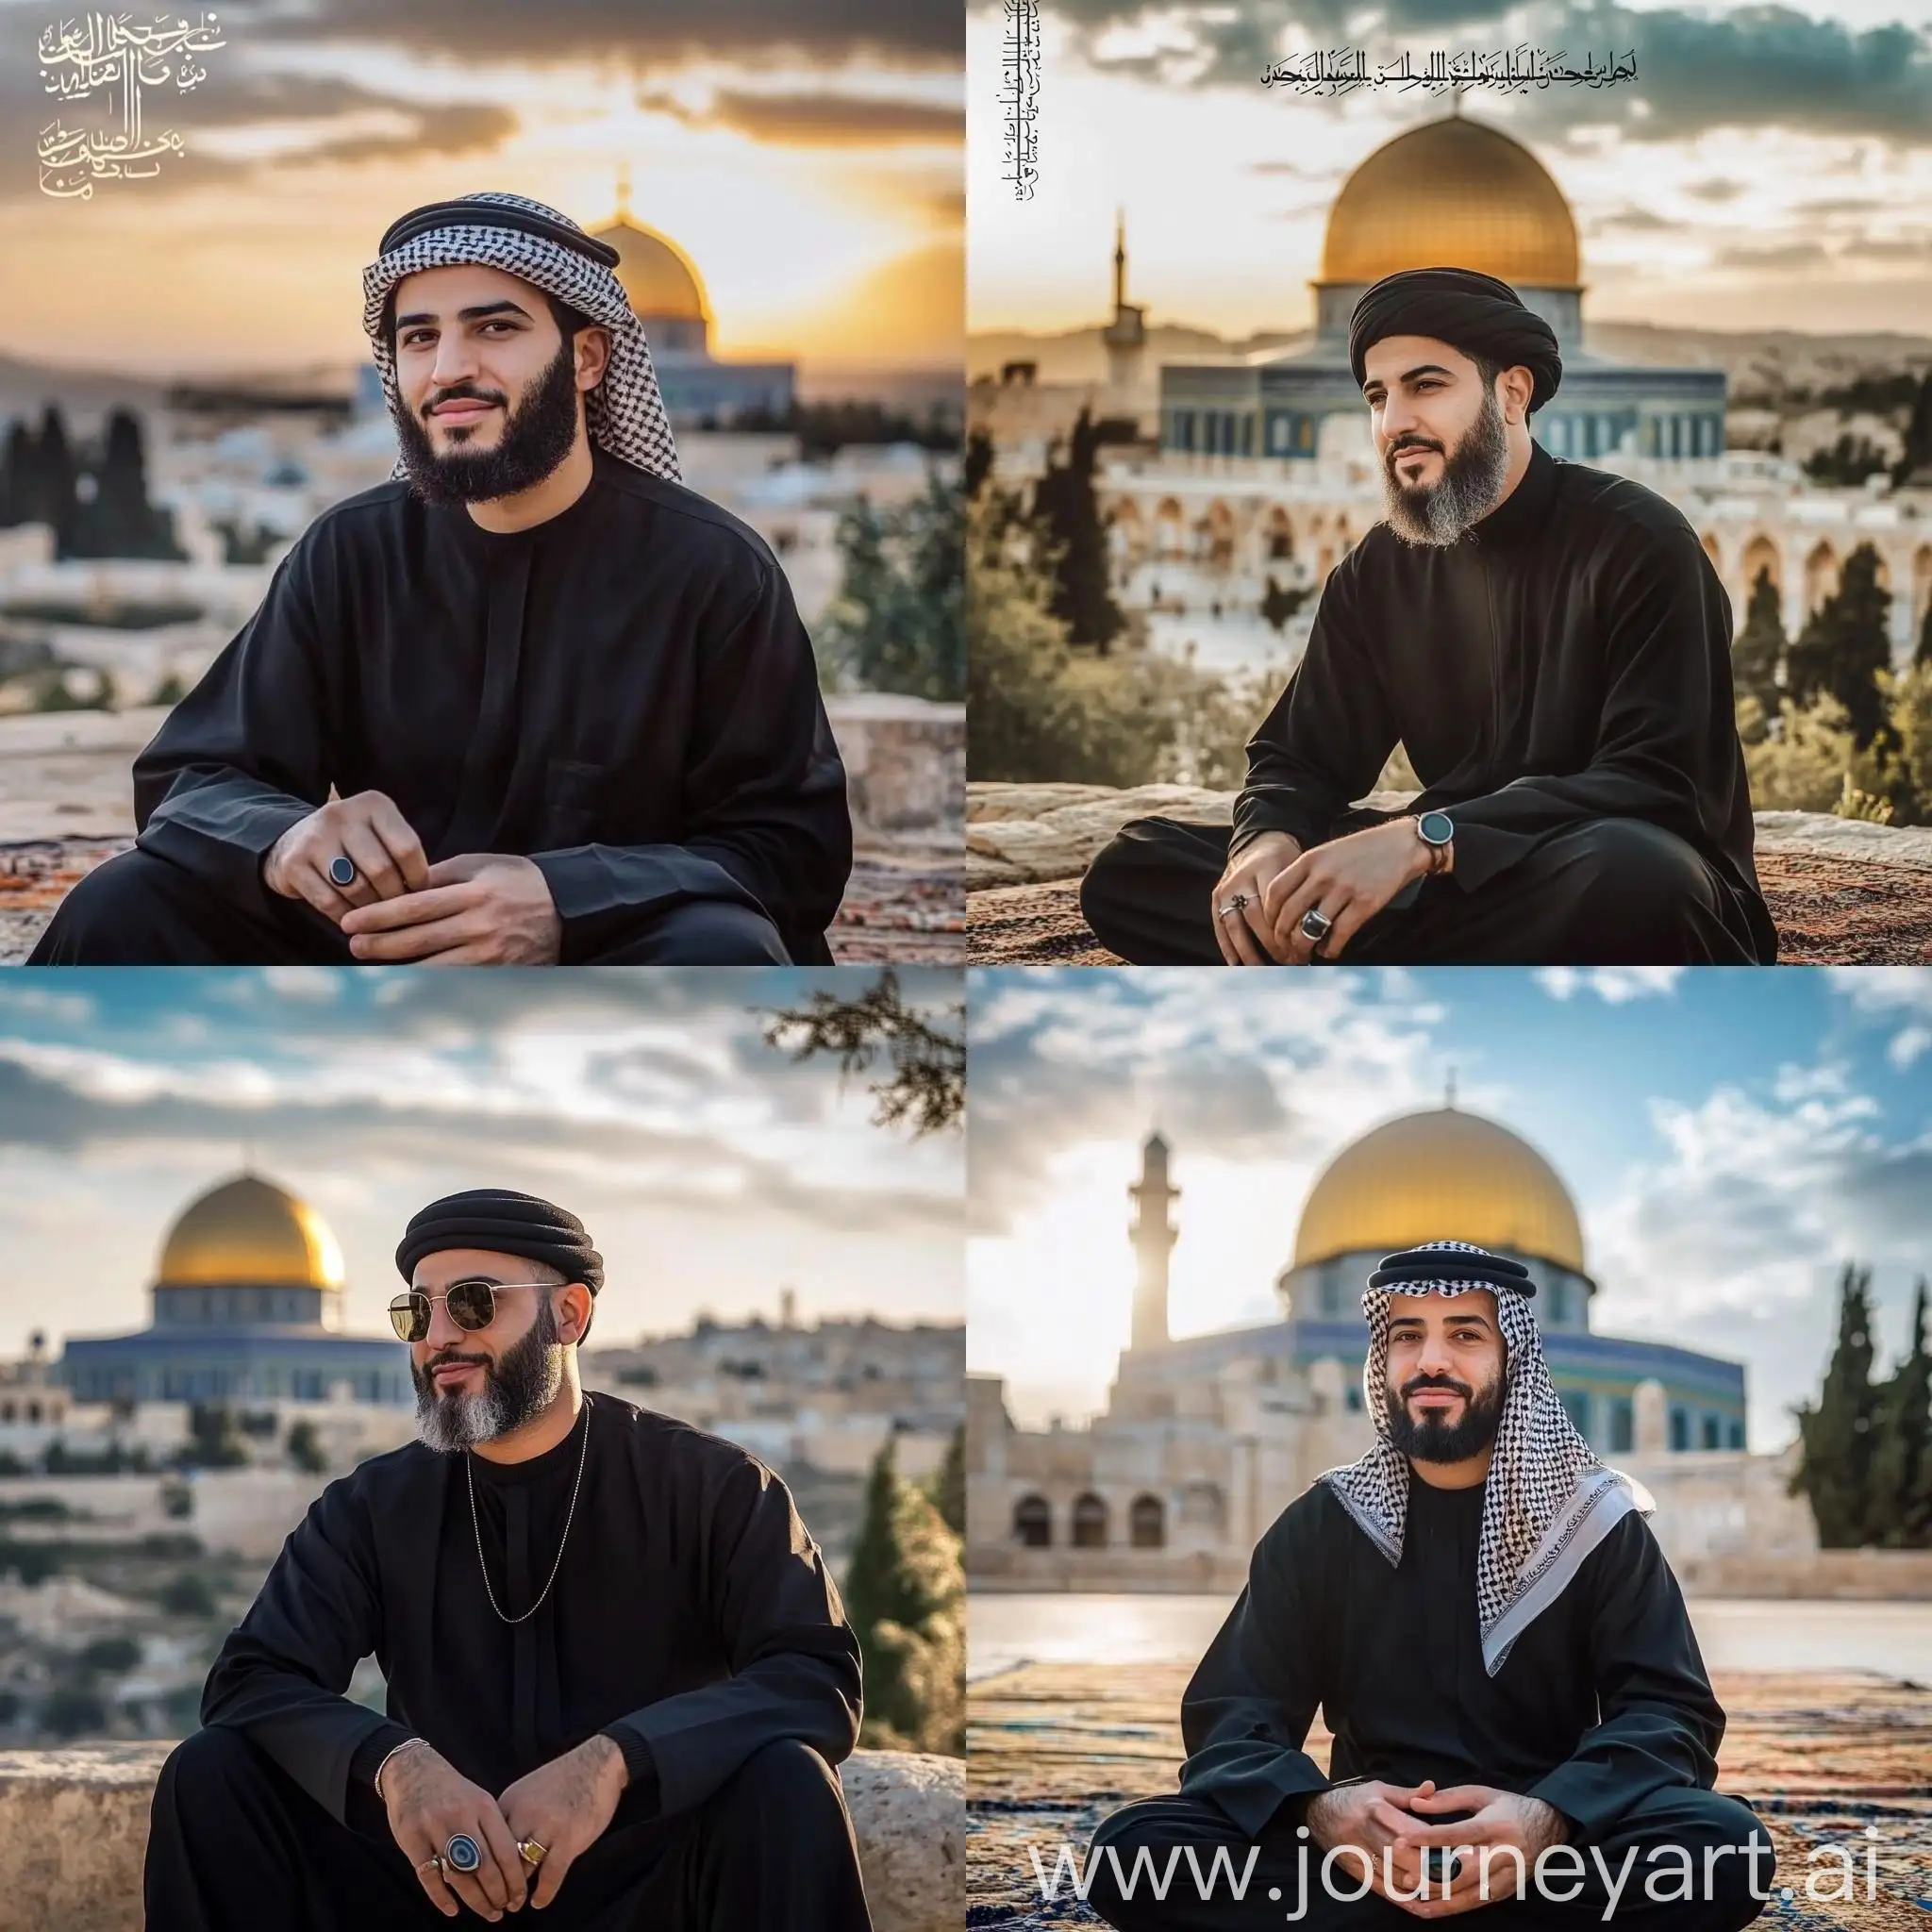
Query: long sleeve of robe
{"points": [[1602, 1700], [624, 694], [691, 1619], [1570, 659]]}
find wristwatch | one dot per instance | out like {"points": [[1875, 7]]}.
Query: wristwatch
{"points": [[1436, 829]]}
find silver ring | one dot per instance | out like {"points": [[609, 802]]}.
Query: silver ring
{"points": [[1316, 925], [342, 870], [1238, 904]]}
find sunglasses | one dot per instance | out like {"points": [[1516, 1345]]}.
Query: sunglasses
{"points": [[471, 1306]]}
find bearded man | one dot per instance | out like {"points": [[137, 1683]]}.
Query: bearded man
{"points": [[1551, 646], [530, 702], [631, 1722], [1497, 1646]]}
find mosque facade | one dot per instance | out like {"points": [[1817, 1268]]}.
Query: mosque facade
{"points": [[1206, 1439], [668, 296], [247, 1306], [1260, 466]]}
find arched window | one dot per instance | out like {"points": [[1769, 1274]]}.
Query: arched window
{"points": [[1089, 1523], [1032, 1523], [1148, 1524]]}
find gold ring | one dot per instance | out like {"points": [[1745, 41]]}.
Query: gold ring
{"points": [[436, 1860], [531, 1852]]}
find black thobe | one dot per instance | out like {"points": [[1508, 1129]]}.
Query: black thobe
{"points": [[1602, 1710], [1561, 681], [624, 694], [691, 1621]]}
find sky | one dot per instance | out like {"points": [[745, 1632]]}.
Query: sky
{"points": [[1730, 1138], [807, 158], [710, 1170], [1771, 168]]}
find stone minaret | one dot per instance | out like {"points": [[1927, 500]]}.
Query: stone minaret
{"points": [[1126, 336], [1153, 1238]]}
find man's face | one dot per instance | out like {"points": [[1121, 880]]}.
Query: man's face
{"points": [[1446, 1374], [488, 386], [1440, 434], [475, 1384]]}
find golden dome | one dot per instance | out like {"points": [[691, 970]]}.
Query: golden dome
{"points": [[659, 278], [1444, 1175], [1452, 193], [251, 1231]]}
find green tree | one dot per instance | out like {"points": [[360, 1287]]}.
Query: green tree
{"points": [[113, 1654], [1837, 1436], [977, 465], [1902, 1425], [187, 1595], [120, 521], [304, 1447], [1757, 656], [948, 1486], [898, 622], [1067, 511], [1845, 646], [906, 1599], [1916, 456], [215, 1438], [1279, 602], [1912, 721], [69, 1712], [1800, 766]]}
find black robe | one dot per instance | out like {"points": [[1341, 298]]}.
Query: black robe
{"points": [[691, 1621], [1602, 1702], [1569, 661], [623, 693]]}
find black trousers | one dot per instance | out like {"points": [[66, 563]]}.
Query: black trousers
{"points": [[237, 1845], [1696, 1820], [1611, 893], [140, 910]]}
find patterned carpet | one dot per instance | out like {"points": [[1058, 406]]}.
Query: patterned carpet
{"points": [[1830, 911], [1053, 1748]]}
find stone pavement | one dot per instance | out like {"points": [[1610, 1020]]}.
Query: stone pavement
{"points": [[1842, 892], [1051, 1749], [66, 803]]}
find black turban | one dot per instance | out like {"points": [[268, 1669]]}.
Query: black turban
{"points": [[1475, 313], [505, 1222], [1439, 1262]]}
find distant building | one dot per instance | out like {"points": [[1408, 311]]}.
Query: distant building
{"points": [[247, 1304], [668, 297], [1206, 1439]]}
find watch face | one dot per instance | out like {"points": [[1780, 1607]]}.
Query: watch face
{"points": [[1436, 828]]}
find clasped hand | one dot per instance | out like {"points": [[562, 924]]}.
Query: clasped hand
{"points": [[1350, 879], [481, 908], [1389, 1824], [565, 1805]]}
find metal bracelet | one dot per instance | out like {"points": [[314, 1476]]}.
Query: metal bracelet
{"points": [[387, 1755]]}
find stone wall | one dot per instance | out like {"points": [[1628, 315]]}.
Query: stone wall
{"points": [[73, 1832], [904, 763]]}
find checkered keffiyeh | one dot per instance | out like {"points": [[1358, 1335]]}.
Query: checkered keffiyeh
{"points": [[624, 413], [1549, 1500]]}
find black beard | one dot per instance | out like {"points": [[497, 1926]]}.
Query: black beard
{"points": [[517, 1388], [1437, 514], [1432, 1440], [537, 436]]}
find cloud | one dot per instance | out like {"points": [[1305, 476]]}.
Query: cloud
{"points": [[1778, 255], [1638, 221], [1762, 66], [1905, 248], [1616, 986], [652, 33], [834, 120], [1717, 190]]}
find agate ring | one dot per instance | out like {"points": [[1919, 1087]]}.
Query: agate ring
{"points": [[1316, 925], [342, 870], [462, 1853], [531, 1852]]}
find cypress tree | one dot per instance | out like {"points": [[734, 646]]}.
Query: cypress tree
{"points": [[1916, 462], [977, 466], [16, 480], [1758, 654], [949, 1484], [1843, 647], [1068, 513], [1903, 1424], [1837, 1436]]}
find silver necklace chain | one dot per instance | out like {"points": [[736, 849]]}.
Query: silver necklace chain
{"points": [[469, 1470]]}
